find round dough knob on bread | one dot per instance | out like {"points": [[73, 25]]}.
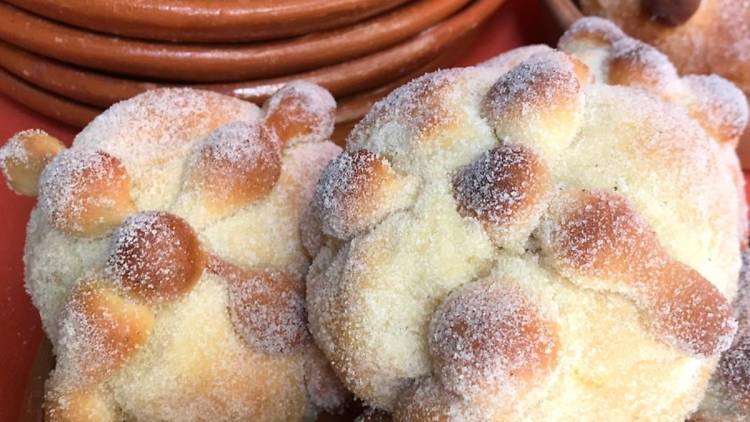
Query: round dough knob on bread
{"points": [[100, 331], [85, 194], [156, 255], [238, 164], [24, 156], [489, 338], [300, 110], [569, 251]]}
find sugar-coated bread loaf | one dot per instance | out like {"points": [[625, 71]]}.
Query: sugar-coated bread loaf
{"points": [[165, 259], [699, 36], [552, 235]]}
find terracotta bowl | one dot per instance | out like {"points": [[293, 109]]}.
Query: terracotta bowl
{"points": [[207, 20], [210, 63], [341, 79], [78, 95], [565, 12], [350, 108]]}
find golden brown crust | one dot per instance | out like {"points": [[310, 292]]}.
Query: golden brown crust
{"points": [[501, 188], [101, 330], [489, 343], [719, 107], [238, 164], [600, 236], [539, 102], [24, 156], [356, 191], [591, 33], [690, 311], [420, 106], [549, 85], [581, 71], [491, 338], [85, 193], [156, 255], [633, 63], [267, 307], [300, 110]]}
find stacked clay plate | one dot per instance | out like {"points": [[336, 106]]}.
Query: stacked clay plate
{"points": [[553, 235], [164, 257], [74, 59]]}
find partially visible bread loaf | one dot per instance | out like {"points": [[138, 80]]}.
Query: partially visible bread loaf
{"points": [[699, 36], [165, 259], [551, 235], [728, 396]]}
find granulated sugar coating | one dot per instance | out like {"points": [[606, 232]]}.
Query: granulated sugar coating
{"points": [[85, 192], [567, 248], [301, 110], [490, 338], [14, 149], [356, 190], [503, 189], [713, 38], [268, 310], [156, 256], [237, 164], [24, 156], [718, 104], [165, 260], [340, 183]]}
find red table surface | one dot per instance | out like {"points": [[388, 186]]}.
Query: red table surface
{"points": [[519, 22]]}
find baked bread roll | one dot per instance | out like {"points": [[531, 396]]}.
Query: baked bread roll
{"points": [[550, 235], [165, 261], [700, 36]]}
